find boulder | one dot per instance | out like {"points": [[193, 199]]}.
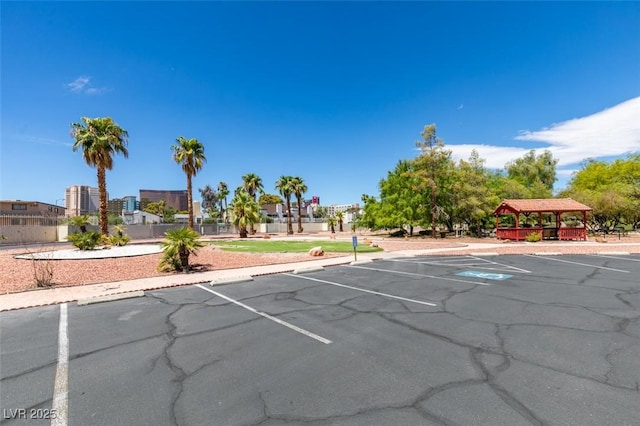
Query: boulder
{"points": [[316, 251]]}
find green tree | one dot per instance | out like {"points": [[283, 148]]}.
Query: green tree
{"points": [[99, 139], [320, 212], [209, 200], [535, 173], [285, 186], [299, 188], [189, 153], [611, 189], [433, 170], [401, 200], [245, 211], [177, 246], [474, 200], [270, 199]]}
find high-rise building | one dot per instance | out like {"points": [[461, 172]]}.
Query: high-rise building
{"points": [[172, 198], [82, 199], [130, 203]]}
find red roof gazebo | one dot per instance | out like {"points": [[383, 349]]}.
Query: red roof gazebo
{"points": [[553, 208]]}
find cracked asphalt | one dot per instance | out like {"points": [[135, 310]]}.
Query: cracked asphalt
{"points": [[524, 340]]}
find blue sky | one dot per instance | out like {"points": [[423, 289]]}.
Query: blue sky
{"points": [[334, 92]]}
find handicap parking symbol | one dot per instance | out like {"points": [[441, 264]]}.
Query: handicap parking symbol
{"points": [[485, 275]]}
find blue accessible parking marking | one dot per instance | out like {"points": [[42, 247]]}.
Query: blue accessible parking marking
{"points": [[489, 276]]}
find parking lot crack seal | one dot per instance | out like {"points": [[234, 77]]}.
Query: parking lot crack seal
{"points": [[501, 392]]}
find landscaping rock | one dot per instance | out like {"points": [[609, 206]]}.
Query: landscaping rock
{"points": [[316, 251]]}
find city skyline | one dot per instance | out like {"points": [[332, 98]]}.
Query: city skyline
{"points": [[334, 92]]}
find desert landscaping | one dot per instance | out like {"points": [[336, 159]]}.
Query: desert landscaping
{"points": [[18, 275]]}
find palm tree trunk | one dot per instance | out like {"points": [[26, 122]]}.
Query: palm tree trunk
{"points": [[102, 190], [289, 224], [184, 258], [189, 201], [299, 216]]}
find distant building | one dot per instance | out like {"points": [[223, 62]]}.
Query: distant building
{"points": [[172, 198], [115, 206], [30, 208], [130, 203], [82, 199], [346, 208], [124, 204], [138, 217]]}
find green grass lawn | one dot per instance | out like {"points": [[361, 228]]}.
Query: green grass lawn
{"points": [[268, 246]]}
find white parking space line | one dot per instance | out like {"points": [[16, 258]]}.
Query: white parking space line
{"points": [[508, 267], [606, 256], [60, 406], [377, 293], [421, 275], [274, 319], [470, 261], [578, 263]]}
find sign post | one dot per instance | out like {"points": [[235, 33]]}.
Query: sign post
{"points": [[354, 240]]}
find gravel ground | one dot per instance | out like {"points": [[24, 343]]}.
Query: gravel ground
{"points": [[17, 275]]}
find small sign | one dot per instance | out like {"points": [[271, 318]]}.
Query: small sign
{"points": [[485, 275], [354, 239]]}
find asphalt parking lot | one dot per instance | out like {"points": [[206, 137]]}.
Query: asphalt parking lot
{"points": [[464, 340]]}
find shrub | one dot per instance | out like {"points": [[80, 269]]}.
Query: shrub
{"points": [[177, 246], [534, 237], [85, 241], [119, 238]]}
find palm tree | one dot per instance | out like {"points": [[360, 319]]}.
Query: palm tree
{"points": [[252, 183], [223, 191], [100, 138], [340, 219], [285, 185], [299, 188], [190, 154], [331, 221], [245, 211], [177, 246]]}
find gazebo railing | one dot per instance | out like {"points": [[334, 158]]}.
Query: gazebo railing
{"points": [[568, 233], [517, 234]]}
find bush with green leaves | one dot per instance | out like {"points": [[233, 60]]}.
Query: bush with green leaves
{"points": [[85, 240], [177, 246], [119, 238], [534, 237]]}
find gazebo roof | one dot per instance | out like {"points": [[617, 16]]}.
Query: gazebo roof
{"points": [[547, 205]]}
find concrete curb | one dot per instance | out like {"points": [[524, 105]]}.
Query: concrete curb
{"points": [[110, 298], [231, 280], [551, 253], [360, 262], [481, 254], [614, 253], [308, 269]]}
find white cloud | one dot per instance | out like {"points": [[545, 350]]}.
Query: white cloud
{"points": [[82, 84], [95, 90], [41, 140], [460, 106], [495, 156], [612, 132], [78, 84]]}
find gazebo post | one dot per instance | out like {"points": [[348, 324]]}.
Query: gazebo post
{"points": [[518, 226], [584, 226]]}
